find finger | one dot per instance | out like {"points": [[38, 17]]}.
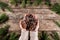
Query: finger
{"points": [[37, 27]]}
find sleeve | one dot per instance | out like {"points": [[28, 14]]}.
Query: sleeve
{"points": [[24, 35]]}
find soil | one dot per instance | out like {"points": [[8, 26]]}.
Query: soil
{"points": [[44, 14], [30, 22]]}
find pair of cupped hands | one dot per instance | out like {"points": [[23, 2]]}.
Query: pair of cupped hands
{"points": [[33, 27]]}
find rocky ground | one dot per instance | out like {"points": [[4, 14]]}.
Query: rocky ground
{"points": [[46, 19]]}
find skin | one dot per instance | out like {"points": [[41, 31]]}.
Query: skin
{"points": [[23, 24]]}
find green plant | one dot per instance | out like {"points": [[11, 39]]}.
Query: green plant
{"points": [[4, 6], [23, 4], [28, 2], [3, 18], [4, 31], [55, 35], [15, 2], [37, 2], [56, 8], [57, 23], [44, 36], [39, 35], [13, 36], [48, 2], [6, 37]]}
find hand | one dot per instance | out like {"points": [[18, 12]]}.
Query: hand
{"points": [[29, 25], [23, 24]]}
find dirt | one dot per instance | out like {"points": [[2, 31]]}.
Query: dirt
{"points": [[43, 13], [45, 17]]}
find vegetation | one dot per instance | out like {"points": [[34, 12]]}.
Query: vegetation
{"points": [[44, 36], [57, 23], [55, 36], [4, 6], [56, 8], [3, 18], [4, 35], [28, 2], [37, 2], [13, 36], [15, 2], [4, 31], [39, 35], [23, 4], [47, 2]]}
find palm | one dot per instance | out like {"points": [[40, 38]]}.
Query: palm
{"points": [[29, 25]]}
